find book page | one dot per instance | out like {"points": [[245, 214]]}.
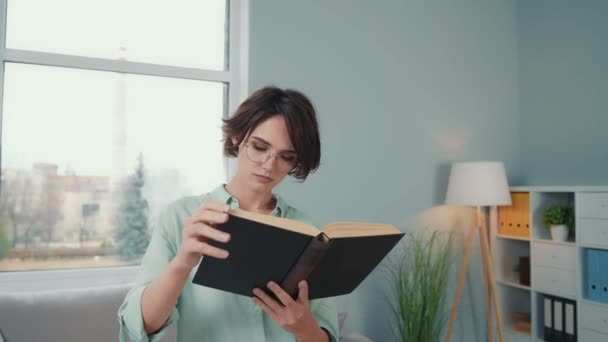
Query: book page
{"points": [[279, 222], [354, 229]]}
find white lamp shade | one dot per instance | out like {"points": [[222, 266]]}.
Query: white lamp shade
{"points": [[478, 184]]}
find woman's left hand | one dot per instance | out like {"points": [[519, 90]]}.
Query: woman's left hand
{"points": [[292, 315]]}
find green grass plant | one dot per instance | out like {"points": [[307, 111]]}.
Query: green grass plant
{"points": [[419, 276]]}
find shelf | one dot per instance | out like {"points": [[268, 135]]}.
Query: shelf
{"points": [[511, 335], [560, 188], [518, 333], [563, 243], [600, 304], [556, 294], [508, 237], [589, 245], [550, 280], [512, 284]]}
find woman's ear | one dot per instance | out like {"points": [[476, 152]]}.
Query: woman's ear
{"points": [[235, 141]]}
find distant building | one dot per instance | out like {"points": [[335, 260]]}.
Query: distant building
{"points": [[47, 207], [87, 207]]}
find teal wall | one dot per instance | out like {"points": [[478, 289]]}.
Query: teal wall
{"points": [[563, 56], [402, 89]]}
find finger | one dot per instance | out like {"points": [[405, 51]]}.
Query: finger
{"points": [[271, 303], [283, 296], [265, 308], [207, 249], [206, 231], [213, 206], [303, 295], [210, 216]]}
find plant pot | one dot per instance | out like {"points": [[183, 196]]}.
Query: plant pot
{"points": [[559, 232], [516, 277]]}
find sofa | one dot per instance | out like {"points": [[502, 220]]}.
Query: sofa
{"points": [[80, 314]]}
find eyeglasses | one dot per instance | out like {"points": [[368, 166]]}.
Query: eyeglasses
{"points": [[260, 154]]}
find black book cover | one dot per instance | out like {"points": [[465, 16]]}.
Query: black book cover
{"points": [[260, 253], [347, 262]]}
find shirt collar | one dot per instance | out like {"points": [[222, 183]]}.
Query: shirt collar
{"points": [[220, 194]]}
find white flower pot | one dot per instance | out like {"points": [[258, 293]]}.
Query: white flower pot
{"points": [[559, 232], [516, 277]]}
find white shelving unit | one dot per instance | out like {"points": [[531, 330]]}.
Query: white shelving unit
{"points": [[556, 268]]}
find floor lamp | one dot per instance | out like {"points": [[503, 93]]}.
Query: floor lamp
{"points": [[478, 184]]}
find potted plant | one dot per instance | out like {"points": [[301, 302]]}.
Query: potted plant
{"points": [[418, 274], [560, 220], [516, 273]]}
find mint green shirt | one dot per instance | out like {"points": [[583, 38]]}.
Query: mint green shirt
{"points": [[202, 313]]}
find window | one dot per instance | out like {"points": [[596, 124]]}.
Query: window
{"points": [[110, 110]]}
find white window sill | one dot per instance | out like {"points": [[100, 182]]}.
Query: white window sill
{"points": [[67, 279]]}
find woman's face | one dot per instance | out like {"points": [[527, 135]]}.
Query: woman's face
{"points": [[266, 155]]}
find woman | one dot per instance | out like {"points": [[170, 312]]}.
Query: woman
{"points": [[274, 133]]}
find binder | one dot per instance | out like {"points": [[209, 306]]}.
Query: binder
{"points": [[514, 219], [504, 219], [558, 320], [589, 285], [595, 278], [602, 274], [570, 322], [593, 284], [524, 209], [548, 329]]}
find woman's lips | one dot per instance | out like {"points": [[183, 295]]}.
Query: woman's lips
{"points": [[263, 179]]}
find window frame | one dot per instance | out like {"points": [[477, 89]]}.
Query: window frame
{"points": [[236, 79]]}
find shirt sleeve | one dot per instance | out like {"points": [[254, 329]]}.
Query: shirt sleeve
{"points": [[160, 252], [326, 313]]}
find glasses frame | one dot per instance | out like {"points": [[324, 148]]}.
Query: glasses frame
{"points": [[269, 155]]}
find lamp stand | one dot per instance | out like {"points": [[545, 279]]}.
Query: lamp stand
{"points": [[491, 296]]}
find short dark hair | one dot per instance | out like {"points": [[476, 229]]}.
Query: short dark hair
{"points": [[300, 118]]}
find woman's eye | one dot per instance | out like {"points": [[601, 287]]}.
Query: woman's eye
{"points": [[288, 157], [259, 148]]}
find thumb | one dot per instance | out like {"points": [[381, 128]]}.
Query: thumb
{"points": [[303, 294]]}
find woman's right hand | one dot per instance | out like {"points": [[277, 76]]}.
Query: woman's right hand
{"points": [[198, 230]]}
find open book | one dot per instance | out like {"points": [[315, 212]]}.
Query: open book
{"points": [[262, 248]]}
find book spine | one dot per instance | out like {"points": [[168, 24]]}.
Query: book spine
{"points": [[306, 263]]}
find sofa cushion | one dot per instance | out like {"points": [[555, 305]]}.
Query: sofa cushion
{"points": [[63, 315], [77, 315]]}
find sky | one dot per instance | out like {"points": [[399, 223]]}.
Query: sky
{"points": [[69, 117], [187, 33]]}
